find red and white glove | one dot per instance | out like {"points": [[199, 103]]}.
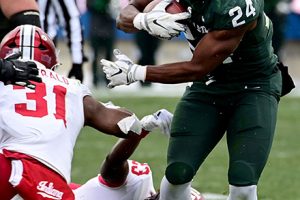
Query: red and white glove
{"points": [[161, 119]]}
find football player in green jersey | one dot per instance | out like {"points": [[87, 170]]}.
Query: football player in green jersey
{"points": [[236, 87]]}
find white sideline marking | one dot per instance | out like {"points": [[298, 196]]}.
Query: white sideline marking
{"points": [[157, 89], [135, 90]]}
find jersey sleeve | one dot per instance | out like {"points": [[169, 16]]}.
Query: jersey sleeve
{"points": [[226, 14], [85, 91]]}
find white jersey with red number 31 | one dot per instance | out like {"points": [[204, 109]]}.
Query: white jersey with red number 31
{"points": [[43, 123], [138, 186]]}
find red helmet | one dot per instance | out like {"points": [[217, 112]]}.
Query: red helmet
{"points": [[33, 43]]}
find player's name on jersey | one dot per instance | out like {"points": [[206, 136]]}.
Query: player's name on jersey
{"points": [[54, 75]]}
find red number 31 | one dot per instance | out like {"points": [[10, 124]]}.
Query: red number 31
{"points": [[41, 103]]}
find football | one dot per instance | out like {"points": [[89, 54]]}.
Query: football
{"points": [[173, 8]]}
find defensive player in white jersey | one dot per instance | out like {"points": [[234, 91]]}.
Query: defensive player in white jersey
{"points": [[137, 186], [123, 179], [39, 128], [120, 178]]}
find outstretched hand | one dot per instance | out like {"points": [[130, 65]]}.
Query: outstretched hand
{"points": [[123, 71], [19, 72], [161, 119]]}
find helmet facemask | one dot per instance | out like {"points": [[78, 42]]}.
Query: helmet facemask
{"points": [[33, 43]]}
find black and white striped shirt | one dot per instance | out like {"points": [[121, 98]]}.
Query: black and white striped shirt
{"points": [[63, 13]]}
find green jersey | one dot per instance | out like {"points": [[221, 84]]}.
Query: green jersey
{"points": [[254, 58], [99, 6], [270, 5]]}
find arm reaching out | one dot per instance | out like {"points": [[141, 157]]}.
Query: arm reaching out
{"points": [[115, 167], [224, 42], [110, 119]]}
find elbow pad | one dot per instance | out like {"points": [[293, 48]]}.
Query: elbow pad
{"points": [[31, 17]]}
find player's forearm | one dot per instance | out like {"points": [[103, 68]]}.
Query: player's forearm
{"points": [[175, 73], [114, 169], [123, 149], [10, 8], [127, 14], [221, 44], [125, 19], [106, 119], [210, 52], [112, 123]]}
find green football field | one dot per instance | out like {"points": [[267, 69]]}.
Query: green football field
{"points": [[280, 179]]}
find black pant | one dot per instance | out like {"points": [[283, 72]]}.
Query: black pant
{"points": [[148, 46]]}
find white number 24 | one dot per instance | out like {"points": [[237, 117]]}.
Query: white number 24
{"points": [[238, 13]]}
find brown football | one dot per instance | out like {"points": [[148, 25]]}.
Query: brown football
{"points": [[173, 8]]}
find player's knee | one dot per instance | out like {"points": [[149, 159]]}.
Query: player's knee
{"points": [[179, 173], [242, 173]]}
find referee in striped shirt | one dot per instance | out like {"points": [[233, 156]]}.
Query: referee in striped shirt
{"points": [[65, 13]]}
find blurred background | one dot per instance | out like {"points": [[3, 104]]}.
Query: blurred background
{"points": [[281, 177], [101, 37]]}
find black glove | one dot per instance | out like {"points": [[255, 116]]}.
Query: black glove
{"points": [[19, 72], [85, 59], [287, 81], [76, 71]]}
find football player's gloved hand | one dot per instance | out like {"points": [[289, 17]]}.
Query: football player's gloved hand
{"points": [[161, 119], [123, 71], [18, 72], [76, 72], [159, 23]]}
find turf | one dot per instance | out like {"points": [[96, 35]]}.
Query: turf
{"points": [[280, 179]]}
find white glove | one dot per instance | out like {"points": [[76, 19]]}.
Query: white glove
{"points": [[159, 23], [161, 119], [123, 71]]}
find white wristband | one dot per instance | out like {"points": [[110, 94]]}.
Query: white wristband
{"points": [[140, 73], [139, 21]]}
